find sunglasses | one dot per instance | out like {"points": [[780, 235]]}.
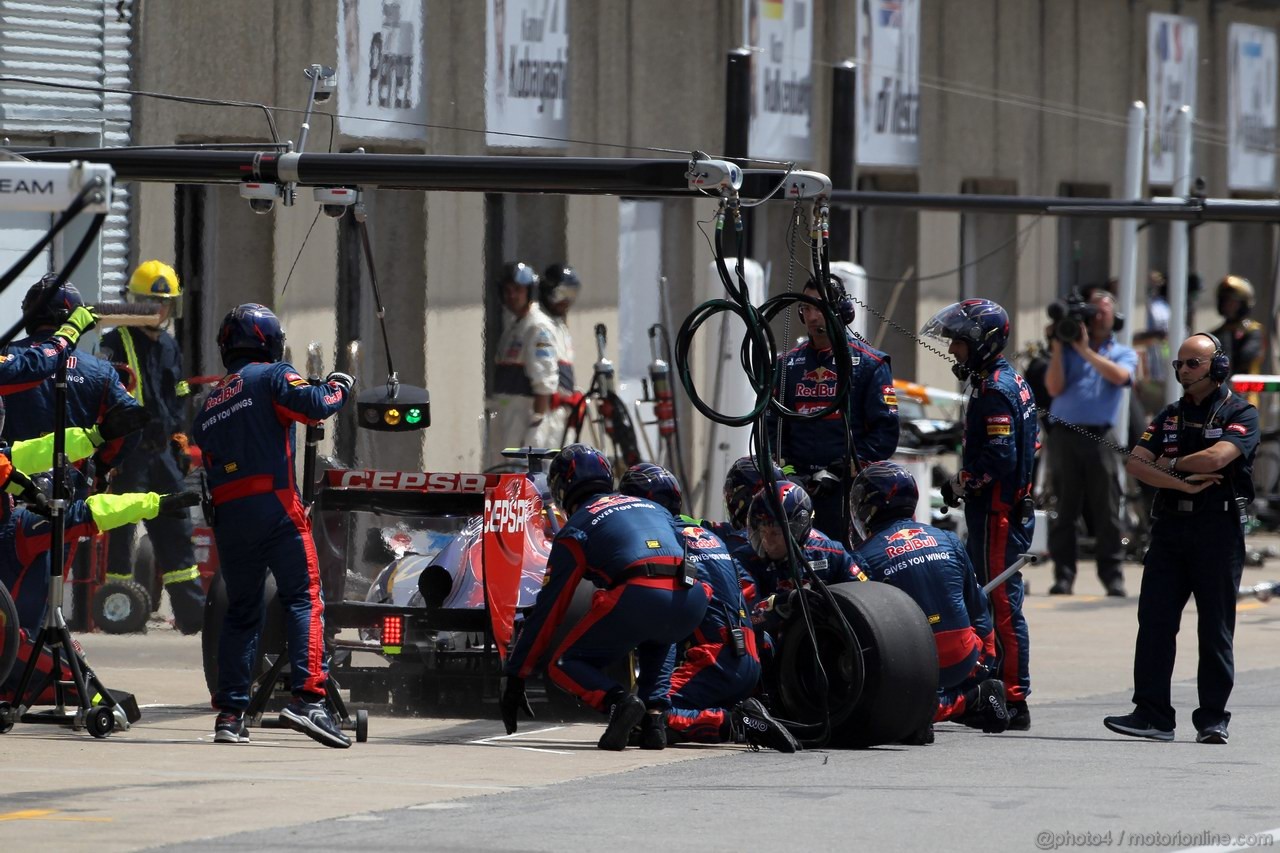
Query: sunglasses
{"points": [[1191, 363]]}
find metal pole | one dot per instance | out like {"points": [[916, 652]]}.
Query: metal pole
{"points": [[737, 119], [844, 86], [1178, 248], [1134, 156]]}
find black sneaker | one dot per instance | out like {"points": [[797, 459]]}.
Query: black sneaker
{"points": [[1019, 716], [1115, 589], [313, 720], [1213, 734], [653, 731], [1135, 726], [624, 715], [229, 727], [1060, 588], [751, 723], [987, 710]]}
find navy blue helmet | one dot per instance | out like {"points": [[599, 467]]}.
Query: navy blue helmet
{"points": [[797, 514], [882, 492], [576, 473], [55, 312], [980, 323], [250, 328], [740, 486], [654, 483]]}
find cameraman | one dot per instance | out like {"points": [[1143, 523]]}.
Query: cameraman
{"points": [[1088, 371]]}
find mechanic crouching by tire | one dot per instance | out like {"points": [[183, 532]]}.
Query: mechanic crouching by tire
{"points": [[245, 431], [995, 476], [649, 599], [931, 566], [711, 688]]}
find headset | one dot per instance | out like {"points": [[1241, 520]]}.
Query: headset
{"points": [[1220, 364]]}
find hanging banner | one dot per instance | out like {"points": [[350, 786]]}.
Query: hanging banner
{"points": [[382, 69], [527, 73], [887, 104], [1251, 108], [780, 36], [1171, 82]]}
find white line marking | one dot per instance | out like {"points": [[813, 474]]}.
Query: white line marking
{"points": [[489, 741]]}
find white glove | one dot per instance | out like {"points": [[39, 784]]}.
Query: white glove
{"points": [[346, 380]]}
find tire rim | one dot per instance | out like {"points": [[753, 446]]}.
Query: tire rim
{"points": [[841, 660], [117, 607]]}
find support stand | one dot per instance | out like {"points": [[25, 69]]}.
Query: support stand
{"points": [[54, 635]]}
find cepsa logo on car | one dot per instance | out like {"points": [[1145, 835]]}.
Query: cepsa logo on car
{"points": [[411, 481], [505, 516]]}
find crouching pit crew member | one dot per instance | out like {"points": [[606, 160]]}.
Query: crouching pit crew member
{"points": [[1199, 454], [711, 688], [649, 599], [931, 566], [246, 433]]}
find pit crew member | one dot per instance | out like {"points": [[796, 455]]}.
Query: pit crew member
{"points": [[649, 599], [245, 431]]}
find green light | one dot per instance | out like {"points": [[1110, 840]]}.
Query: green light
{"points": [[413, 416]]}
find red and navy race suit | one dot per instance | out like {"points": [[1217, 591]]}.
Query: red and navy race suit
{"points": [[806, 379], [245, 430], [719, 669], [827, 558], [93, 386], [615, 542], [931, 566], [996, 468]]}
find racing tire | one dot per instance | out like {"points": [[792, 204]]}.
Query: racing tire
{"points": [[270, 641], [121, 607], [881, 690], [144, 570], [10, 635], [565, 706], [100, 721], [362, 726]]}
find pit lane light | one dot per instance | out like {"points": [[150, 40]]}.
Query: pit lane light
{"points": [[1252, 383], [53, 187], [394, 408]]}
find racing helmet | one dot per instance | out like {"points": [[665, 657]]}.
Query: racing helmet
{"points": [[558, 288], [653, 483], [882, 492], [154, 280], [250, 330], [518, 273], [64, 300], [797, 512], [576, 473], [1241, 289], [980, 323], [740, 486]]}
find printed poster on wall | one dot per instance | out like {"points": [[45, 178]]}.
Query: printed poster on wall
{"points": [[780, 36], [1171, 82], [888, 97], [1251, 108], [527, 73], [382, 69]]}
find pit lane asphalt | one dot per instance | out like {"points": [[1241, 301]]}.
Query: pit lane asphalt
{"points": [[421, 784]]}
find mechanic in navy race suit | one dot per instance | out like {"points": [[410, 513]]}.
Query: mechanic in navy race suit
{"points": [[995, 479], [711, 688], [245, 431], [93, 386], [649, 599], [806, 382], [931, 566]]}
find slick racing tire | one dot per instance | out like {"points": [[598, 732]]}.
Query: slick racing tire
{"points": [[121, 607], [882, 688], [565, 706], [270, 641], [9, 634]]}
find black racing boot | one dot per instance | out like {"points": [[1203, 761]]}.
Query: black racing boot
{"points": [[986, 709], [752, 724], [1019, 717], [624, 715], [653, 731]]}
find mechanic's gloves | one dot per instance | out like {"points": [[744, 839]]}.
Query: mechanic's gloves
{"points": [[953, 491], [513, 699], [81, 320], [346, 380], [176, 505], [120, 420], [28, 492]]}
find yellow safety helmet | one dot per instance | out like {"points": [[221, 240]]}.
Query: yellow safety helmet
{"points": [[154, 280], [1239, 288]]}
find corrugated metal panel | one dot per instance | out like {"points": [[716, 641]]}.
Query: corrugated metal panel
{"points": [[75, 42]]}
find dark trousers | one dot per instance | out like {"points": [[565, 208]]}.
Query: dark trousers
{"points": [[831, 510], [1085, 474], [1200, 555]]}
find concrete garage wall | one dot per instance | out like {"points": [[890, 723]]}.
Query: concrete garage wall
{"points": [[1028, 95]]}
